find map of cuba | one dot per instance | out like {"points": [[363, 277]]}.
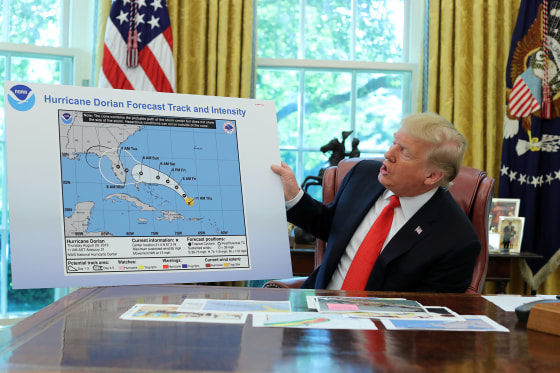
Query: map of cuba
{"points": [[135, 175]]}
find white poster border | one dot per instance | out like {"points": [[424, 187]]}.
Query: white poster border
{"points": [[34, 182]]}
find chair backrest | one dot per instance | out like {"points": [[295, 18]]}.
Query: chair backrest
{"points": [[472, 189]]}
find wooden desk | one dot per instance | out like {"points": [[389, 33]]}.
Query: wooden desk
{"points": [[82, 331]]}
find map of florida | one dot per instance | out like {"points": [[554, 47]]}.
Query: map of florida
{"points": [[96, 138]]}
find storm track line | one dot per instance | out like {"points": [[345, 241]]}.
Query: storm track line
{"points": [[142, 173]]}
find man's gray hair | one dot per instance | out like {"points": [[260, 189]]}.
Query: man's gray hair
{"points": [[449, 144]]}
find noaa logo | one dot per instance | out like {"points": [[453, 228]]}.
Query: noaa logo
{"points": [[229, 127], [21, 97], [66, 118]]}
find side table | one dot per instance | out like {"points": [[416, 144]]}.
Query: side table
{"points": [[499, 267]]}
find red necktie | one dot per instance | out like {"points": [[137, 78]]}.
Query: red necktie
{"points": [[362, 264]]}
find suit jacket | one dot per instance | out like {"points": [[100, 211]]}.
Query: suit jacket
{"points": [[435, 251]]}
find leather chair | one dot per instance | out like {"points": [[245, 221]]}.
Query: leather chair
{"points": [[472, 189]]}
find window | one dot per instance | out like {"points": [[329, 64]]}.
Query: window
{"points": [[338, 70], [35, 47]]}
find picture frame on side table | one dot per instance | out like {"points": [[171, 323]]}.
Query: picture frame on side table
{"points": [[502, 207], [511, 233]]}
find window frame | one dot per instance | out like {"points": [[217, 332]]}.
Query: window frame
{"points": [[76, 57], [412, 47]]}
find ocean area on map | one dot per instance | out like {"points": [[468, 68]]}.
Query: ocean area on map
{"points": [[165, 181]]}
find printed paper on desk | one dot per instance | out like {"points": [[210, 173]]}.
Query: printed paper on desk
{"points": [[370, 305], [509, 303], [233, 305], [471, 323], [432, 313], [116, 187], [310, 320], [313, 300], [170, 312]]}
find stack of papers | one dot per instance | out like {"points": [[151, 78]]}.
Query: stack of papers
{"points": [[323, 313]]}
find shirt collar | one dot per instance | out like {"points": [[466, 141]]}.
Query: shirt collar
{"points": [[410, 205]]}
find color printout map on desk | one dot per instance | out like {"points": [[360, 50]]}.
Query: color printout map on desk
{"points": [[278, 314]]}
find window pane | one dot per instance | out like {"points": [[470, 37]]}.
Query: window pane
{"points": [[328, 29], [324, 104], [2, 20], [379, 108], [380, 27], [278, 25], [327, 107], [35, 22], [282, 86], [35, 70], [289, 157], [2, 78], [3, 184], [27, 300], [313, 162]]}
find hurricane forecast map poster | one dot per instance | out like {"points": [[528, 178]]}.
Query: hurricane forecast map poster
{"points": [[112, 187], [150, 193]]}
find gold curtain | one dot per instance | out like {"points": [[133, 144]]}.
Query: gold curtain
{"points": [[468, 51], [212, 45], [469, 43]]}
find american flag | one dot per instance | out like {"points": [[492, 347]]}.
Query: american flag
{"points": [[525, 95], [138, 52]]}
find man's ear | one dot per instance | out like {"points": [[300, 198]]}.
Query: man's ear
{"points": [[433, 177]]}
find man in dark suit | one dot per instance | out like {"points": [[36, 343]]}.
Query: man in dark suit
{"points": [[508, 234], [431, 246]]}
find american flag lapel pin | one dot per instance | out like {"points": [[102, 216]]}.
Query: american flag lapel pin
{"points": [[418, 230]]}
